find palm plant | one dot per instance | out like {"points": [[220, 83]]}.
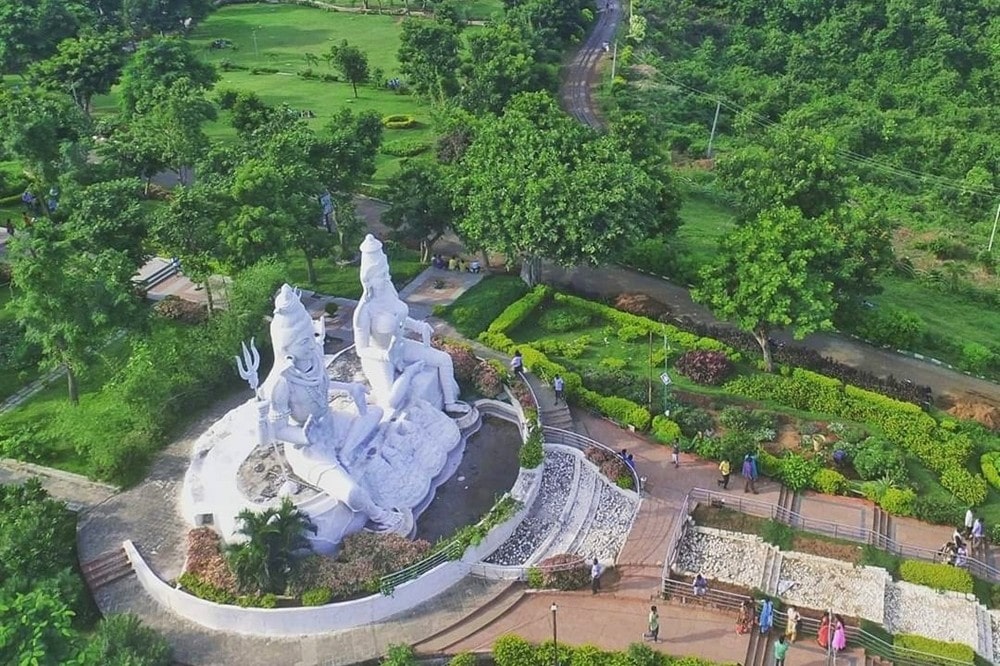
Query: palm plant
{"points": [[264, 561]]}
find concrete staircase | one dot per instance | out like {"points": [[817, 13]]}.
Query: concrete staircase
{"points": [[577, 513], [757, 648], [786, 505], [106, 568], [985, 634], [557, 416], [881, 535], [772, 571]]}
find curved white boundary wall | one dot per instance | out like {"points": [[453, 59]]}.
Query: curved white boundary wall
{"points": [[285, 622]]}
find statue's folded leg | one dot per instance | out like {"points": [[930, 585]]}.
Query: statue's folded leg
{"points": [[340, 486]]}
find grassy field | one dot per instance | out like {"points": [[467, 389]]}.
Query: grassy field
{"points": [[704, 223]]}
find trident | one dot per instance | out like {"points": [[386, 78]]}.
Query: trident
{"points": [[247, 367]]}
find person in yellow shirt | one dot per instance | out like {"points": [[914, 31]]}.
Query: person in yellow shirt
{"points": [[725, 470]]}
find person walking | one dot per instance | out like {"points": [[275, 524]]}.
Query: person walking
{"points": [[595, 577], [517, 364], [654, 625], [839, 634], [978, 541], [558, 385], [724, 469], [792, 627], [748, 475], [780, 650], [969, 520], [766, 616], [744, 619], [675, 454]]}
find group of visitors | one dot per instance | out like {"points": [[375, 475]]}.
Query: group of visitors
{"points": [[831, 633], [967, 539], [456, 263]]}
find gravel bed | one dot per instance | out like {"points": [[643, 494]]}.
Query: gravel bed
{"points": [[820, 582], [726, 556], [609, 527], [944, 616], [543, 517]]}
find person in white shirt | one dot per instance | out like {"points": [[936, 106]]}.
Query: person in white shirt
{"points": [[968, 520], [595, 576]]}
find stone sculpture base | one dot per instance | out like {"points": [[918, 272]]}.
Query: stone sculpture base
{"points": [[401, 466]]}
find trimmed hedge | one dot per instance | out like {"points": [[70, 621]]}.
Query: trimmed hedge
{"points": [[957, 651], [937, 576], [399, 121], [672, 333], [829, 481], [990, 464], [665, 431], [904, 424]]}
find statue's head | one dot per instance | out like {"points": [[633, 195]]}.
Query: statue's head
{"points": [[374, 264], [292, 332]]}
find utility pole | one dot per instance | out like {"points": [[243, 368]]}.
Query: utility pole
{"points": [[555, 644], [989, 248], [715, 122], [614, 63]]}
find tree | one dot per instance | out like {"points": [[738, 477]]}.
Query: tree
{"points": [[160, 16], [501, 62], [36, 627], [263, 562], [187, 228], [769, 274], [535, 183], [108, 215], [82, 67], [68, 302], [352, 63], [421, 208], [44, 130], [172, 118], [158, 63], [31, 29], [428, 57], [122, 640]]}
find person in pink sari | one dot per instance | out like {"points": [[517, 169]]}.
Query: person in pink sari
{"points": [[839, 634]]}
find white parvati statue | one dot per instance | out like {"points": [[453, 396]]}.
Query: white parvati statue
{"points": [[319, 441], [397, 367]]}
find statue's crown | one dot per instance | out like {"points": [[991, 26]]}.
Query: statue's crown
{"points": [[291, 319], [373, 259]]}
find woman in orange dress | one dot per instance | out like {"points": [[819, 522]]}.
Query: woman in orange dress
{"points": [[824, 632], [744, 621]]}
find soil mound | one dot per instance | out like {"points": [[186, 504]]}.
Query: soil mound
{"points": [[642, 305], [988, 415]]}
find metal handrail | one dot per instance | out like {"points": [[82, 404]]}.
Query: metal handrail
{"points": [[864, 535], [580, 442], [450, 551], [857, 635]]}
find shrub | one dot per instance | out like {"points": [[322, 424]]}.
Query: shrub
{"points": [[399, 655], [829, 481], [472, 313], [937, 576], [976, 358], [465, 363], [797, 472], [956, 651], [535, 579], [560, 320], [405, 147], [614, 468], [463, 659], [692, 420], [664, 430], [990, 464], [564, 571], [331, 308], [199, 588], [875, 458], [488, 379], [777, 534], [517, 311], [938, 508], [399, 121], [890, 326], [705, 367], [898, 501], [743, 420], [123, 639], [513, 650], [967, 488], [317, 596], [263, 70], [532, 453], [875, 557]]}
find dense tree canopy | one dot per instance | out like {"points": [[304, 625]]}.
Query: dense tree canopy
{"points": [[82, 66], [30, 30], [160, 62], [537, 184]]}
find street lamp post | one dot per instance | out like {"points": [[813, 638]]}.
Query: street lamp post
{"points": [[555, 644]]}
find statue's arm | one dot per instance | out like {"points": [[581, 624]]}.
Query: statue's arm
{"points": [[356, 391], [278, 419], [421, 327]]}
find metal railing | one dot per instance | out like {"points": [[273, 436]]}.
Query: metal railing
{"points": [[580, 442], [450, 551], [855, 635], [753, 507]]}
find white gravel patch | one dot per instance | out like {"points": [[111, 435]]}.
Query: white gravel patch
{"points": [[820, 582], [727, 556], [608, 529], [944, 616], [543, 517]]}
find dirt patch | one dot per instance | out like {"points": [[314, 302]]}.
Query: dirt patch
{"points": [[642, 306], [832, 548], [722, 518], [988, 415], [788, 437]]}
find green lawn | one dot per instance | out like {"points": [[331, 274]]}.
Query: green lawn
{"points": [[475, 309], [471, 9], [704, 223], [342, 280]]}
